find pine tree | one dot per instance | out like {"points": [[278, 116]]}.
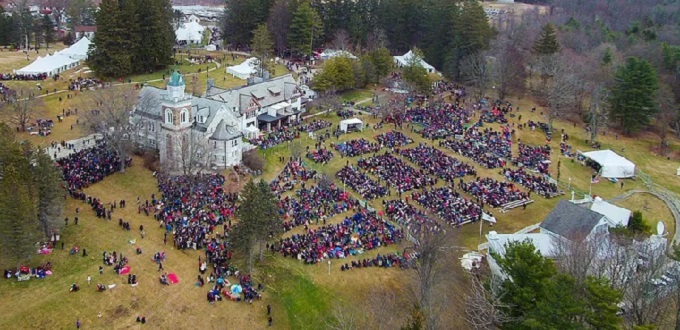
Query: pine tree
{"points": [[547, 43], [262, 46], [109, 54], [48, 180], [415, 74], [48, 30], [632, 97], [241, 17], [244, 233], [471, 33], [270, 225], [305, 28], [17, 215]]}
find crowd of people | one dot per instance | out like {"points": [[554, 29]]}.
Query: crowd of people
{"points": [[358, 147], [322, 155], [314, 204], [81, 83], [87, 166], [276, 136], [409, 216], [492, 192], [396, 173], [23, 77], [437, 163], [536, 183], [293, 173], [393, 139], [314, 125], [361, 183], [534, 157], [439, 122], [403, 260], [356, 234], [193, 208], [448, 205], [487, 147]]}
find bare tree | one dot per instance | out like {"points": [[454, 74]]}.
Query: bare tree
{"points": [[327, 101], [253, 160], [483, 301], [341, 40], [195, 152], [668, 114], [508, 70], [430, 273], [296, 149], [381, 303], [345, 317], [477, 72], [22, 107], [376, 39], [562, 84], [598, 117], [279, 23], [110, 117], [58, 8]]}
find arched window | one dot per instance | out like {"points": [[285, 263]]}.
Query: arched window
{"points": [[184, 117], [168, 116]]}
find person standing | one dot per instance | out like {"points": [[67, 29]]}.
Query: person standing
{"points": [[89, 279], [78, 324], [269, 310]]}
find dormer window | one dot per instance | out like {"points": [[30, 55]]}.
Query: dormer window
{"points": [[275, 91]]}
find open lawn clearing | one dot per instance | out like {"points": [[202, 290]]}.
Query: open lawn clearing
{"points": [[653, 210]]}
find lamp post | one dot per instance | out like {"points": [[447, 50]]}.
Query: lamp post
{"points": [[569, 186]]}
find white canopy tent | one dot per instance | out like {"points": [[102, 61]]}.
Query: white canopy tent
{"points": [[403, 60], [613, 165], [617, 216], [330, 53], [244, 70], [252, 132], [190, 32], [78, 50], [349, 123], [50, 65]]}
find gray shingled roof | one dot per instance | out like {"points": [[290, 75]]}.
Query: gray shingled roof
{"points": [[224, 132], [240, 97], [569, 220]]}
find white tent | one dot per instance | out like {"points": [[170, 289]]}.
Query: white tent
{"points": [[244, 70], [613, 165], [348, 123], [50, 65], [402, 61], [78, 50], [330, 53], [252, 132], [618, 216], [191, 32]]}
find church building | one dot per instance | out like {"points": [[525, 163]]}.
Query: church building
{"points": [[193, 133]]}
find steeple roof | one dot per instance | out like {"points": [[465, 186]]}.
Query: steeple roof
{"points": [[176, 79]]}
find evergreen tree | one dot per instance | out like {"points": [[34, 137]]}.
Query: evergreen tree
{"points": [[48, 30], [262, 46], [109, 54], [638, 225], [241, 17], [48, 180], [382, 62], [471, 33], [337, 74], [270, 225], [17, 214], [632, 96], [547, 43], [306, 28], [415, 74], [156, 35], [7, 28]]}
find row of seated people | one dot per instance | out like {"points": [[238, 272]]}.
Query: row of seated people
{"points": [[409, 216], [322, 155], [361, 183], [439, 121], [396, 173], [488, 148], [437, 163], [315, 125], [403, 260], [536, 183], [492, 192], [449, 205], [313, 204], [364, 231], [293, 173], [534, 157], [354, 148], [393, 139]]}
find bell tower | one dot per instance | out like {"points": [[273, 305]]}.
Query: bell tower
{"points": [[176, 122]]}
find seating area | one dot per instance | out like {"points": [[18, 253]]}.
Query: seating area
{"points": [[396, 173], [393, 139], [534, 157], [361, 183], [437, 163], [353, 148], [448, 205], [538, 184], [409, 216], [487, 147], [492, 192]]}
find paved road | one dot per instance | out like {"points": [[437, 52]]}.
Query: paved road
{"points": [[78, 144]]}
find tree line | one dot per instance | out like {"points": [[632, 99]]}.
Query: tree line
{"points": [[133, 36], [446, 31], [31, 198]]}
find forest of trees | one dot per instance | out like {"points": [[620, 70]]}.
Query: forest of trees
{"points": [[31, 198], [133, 36]]}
